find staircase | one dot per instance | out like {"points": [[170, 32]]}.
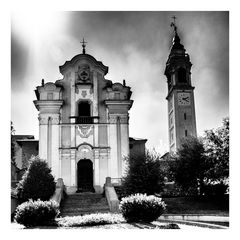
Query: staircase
{"points": [[84, 203]]}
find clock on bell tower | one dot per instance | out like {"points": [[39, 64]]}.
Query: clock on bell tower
{"points": [[180, 97]]}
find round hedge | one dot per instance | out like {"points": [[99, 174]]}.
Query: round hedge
{"points": [[36, 213], [141, 208]]}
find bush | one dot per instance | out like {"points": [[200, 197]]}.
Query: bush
{"points": [[141, 208], [218, 189], [144, 175], [36, 213], [90, 220], [37, 182]]}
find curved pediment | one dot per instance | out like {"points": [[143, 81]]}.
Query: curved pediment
{"points": [[84, 57]]}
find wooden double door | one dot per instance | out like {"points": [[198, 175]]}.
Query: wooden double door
{"points": [[85, 175]]}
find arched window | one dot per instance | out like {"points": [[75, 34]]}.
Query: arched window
{"points": [[84, 113], [182, 75]]}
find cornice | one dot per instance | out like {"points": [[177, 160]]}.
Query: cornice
{"points": [[88, 57]]}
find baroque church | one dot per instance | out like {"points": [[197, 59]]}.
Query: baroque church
{"points": [[83, 119], [83, 124]]}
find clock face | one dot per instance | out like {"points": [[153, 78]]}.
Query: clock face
{"points": [[184, 98]]}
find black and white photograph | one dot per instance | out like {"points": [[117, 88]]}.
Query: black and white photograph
{"points": [[119, 120]]}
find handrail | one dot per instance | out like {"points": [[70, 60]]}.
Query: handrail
{"points": [[58, 196]]}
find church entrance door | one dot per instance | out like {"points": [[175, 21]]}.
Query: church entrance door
{"points": [[85, 176]]}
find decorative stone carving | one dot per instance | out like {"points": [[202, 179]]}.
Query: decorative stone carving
{"points": [[85, 151], [112, 119], [43, 119], [122, 118], [96, 153], [83, 74], [55, 119], [85, 130], [84, 93]]}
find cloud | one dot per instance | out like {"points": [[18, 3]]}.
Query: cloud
{"points": [[19, 62], [135, 46]]}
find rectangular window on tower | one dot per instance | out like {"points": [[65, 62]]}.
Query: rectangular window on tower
{"points": [[185, 116], [186, 133]]}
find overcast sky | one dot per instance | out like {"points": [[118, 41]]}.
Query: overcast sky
{"points": [[135, 47]]}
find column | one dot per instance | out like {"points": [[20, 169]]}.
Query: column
{"points": [[54, 145], [113, 145], [43, 133], [73, 168], [96, 171], [119, 148], [124, 142]]}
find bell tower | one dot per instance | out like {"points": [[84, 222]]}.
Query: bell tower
{"points": [[180, 97]]}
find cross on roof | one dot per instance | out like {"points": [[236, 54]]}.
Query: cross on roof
{"points": [[173, 24], [83, 46], [174, 18]]}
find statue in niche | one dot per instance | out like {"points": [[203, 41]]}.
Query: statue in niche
{"points": [[83, 74]]}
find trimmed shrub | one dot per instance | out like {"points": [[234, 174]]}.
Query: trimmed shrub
{"points": [[94, 219], [37, 182], [218, 189], [141, 208], [37, 213]]}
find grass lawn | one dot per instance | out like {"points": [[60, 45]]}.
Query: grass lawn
{"points": [[197, 205]]}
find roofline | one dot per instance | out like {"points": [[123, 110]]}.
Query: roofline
{"points": [[75, 58]]}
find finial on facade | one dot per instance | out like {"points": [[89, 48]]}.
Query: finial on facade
{"points": [[124, 82], [173, 24], [83, 46], [42, 82]]}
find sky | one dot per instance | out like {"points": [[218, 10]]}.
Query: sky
{"points": [[135, 46]]}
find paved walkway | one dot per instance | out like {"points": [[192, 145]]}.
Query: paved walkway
{"points": [[195, 217]]}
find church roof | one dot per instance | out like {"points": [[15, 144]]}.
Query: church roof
{"points": [[84, 56], [137, 139], [21, 137]]}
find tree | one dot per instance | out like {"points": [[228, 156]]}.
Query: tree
{"points": [[216, 142], [143, 174], [37, 182], [189, 167]]}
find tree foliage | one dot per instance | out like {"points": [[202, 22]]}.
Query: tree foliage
{"points": [[37, 182], [143, 174], [190, 165], [203, 164], [216, 142]]}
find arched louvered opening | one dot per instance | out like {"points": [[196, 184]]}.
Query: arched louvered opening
{"points": [[182, 75]]}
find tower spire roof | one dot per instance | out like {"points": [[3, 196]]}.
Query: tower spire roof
{"points": [[176, 39]]}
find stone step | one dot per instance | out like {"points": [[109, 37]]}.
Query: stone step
{"points": [[83, 200], [85, 195], [70, 214], [84, 203], [79, 208]]}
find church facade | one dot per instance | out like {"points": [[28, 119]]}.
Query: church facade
{"points": [[83, 124]]}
